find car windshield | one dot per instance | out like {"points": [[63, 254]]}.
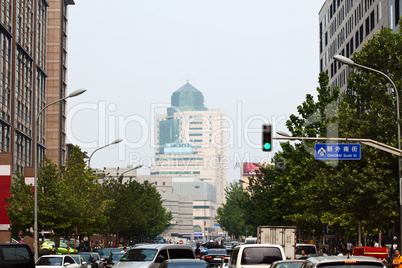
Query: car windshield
{"points": [[52, 261], [139, 254], [217, 252], [260, 255], [104, 252], [86, 256], [290, 264], [76, 258], [307, 249], [116, 257]]}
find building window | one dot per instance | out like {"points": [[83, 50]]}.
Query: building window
{"points": [[372, 21], [367, 26]]}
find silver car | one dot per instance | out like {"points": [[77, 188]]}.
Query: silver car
{"points": [[153, 255]]}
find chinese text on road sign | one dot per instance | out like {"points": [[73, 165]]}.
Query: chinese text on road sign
{"points": [[337, 151]]}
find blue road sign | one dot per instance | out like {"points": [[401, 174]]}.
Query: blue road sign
{"points": [[337, 151]]}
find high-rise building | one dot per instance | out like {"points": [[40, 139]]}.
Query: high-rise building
{"points": [[190, 140], [56, 82], [345, 25], [32, 74]]}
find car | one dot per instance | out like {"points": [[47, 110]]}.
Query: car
{"points": [[229, 246], [252, 255], [185, 263], [114, 257], [93, 259], [16, 255], [54, 261], [215, 256], [153, 255], [79, 260], [63, 249], [288, 264], [343, 262], [51, 245]]}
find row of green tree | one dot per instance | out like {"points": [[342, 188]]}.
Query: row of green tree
{"points": [[301, 191], [72, 202]]}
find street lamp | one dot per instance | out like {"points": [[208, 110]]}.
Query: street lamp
{"points": [[114, 142], [281, 133], [139, 166], [36, 235], [350, 62]]}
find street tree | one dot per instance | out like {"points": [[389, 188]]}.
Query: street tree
{"points": [[134, 209], [20, 207], [233, 215]]}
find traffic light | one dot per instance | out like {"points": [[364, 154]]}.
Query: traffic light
{"points": [[266, 138]]}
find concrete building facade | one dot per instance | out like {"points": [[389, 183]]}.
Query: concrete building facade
{"points": [[345, 25]]}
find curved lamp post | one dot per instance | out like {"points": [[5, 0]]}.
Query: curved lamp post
{"points": [[349, 62], [139, 166], [114, 142], [36, 235]]}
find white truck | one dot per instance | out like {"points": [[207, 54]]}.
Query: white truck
{"points": [[284, 236]]}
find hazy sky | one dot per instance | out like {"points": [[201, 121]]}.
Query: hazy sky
{"points": [[254, 59]]}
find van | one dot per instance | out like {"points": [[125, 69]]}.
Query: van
{"points": [[16, 255], [153, 255], [256, 255]]}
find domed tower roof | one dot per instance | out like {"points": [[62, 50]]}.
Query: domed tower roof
{"points": [[188, 98]]}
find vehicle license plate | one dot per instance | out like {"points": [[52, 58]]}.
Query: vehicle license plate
{"points": [[217, 259]]}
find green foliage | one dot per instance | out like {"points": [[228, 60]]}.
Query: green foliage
{"points": [[72, 202], [233, 216], [134, 209], [20, 206], [307, 193]]}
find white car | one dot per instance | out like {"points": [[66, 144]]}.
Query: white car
{"points": [[54, 261]]}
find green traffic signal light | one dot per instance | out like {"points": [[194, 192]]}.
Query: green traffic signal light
{"points": [[267, 146], [266, 138]]}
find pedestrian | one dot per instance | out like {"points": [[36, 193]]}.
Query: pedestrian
{"points": [[376, 244], [198, 251], [324, 252], [124, 249], [396, 262]]}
